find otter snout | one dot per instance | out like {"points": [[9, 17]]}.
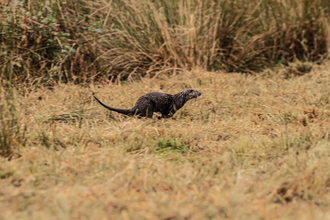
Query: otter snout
{"points": [[197, 94]]}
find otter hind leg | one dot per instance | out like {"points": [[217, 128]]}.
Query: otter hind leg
{"points": [[150, 111], [147, 111]]}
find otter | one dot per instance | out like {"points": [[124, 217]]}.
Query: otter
{"points": [[152, 102]]}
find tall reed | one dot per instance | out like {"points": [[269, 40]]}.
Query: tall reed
{"points": [[78, 41]]}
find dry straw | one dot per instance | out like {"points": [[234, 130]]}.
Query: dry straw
{"points": [[250, 147]]}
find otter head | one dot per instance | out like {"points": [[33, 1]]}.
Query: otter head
{"points": [[191, 94], [182, 97]]}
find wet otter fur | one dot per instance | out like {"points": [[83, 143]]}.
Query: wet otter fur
{"points": [[152, 102]]}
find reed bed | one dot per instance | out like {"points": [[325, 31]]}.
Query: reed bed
{"points": [[70, 41]]}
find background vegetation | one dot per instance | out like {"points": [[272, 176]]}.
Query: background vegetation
{"points": [[80, 40]]}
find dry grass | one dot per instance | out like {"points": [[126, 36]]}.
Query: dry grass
{"points": [[251, 147]]}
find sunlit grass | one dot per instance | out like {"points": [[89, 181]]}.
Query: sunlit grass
{"points": [[251, 147]]}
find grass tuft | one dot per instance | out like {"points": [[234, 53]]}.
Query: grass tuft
{"points": [[12, 134]]}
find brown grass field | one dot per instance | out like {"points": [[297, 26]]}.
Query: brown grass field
{"points": [[251, 147]]}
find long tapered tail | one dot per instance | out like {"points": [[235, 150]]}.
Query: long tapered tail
{"points": [[119, 110]]}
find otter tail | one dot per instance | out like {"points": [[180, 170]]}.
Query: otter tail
{"points": [[119, 110]]}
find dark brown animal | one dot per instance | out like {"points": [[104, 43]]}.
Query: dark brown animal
{"points": [[152, 102]]}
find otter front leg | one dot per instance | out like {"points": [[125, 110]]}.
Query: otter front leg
{"points": [[165, 116]]}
